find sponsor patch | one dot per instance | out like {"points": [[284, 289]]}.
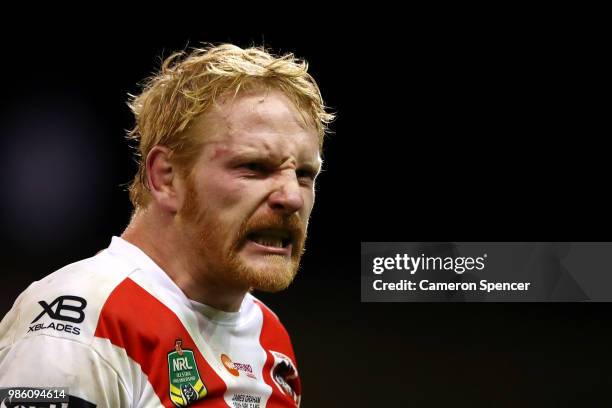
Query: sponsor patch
{"points": [[236, 368]]}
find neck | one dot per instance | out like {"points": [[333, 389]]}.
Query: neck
{"points": [[157, 236]]}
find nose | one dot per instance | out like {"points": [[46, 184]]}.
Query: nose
{"points": [[287, 197]]}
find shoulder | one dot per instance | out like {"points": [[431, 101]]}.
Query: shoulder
{"points": [[280, 367], [66, 303]]}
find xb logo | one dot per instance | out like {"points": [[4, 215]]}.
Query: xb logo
{"points": [[57, 314]]}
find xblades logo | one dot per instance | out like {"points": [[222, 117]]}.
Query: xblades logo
{"points": [[57, 313]]}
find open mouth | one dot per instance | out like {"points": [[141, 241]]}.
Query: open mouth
{"points": [[271, 238]]}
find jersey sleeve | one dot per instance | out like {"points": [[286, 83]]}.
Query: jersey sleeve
{"points": [[48, 361]]}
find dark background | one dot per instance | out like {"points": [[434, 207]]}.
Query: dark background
{"points": [[464, 132]]}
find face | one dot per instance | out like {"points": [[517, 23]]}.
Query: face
{"points": [[251, 191]]}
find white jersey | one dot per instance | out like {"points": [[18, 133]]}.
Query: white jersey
{"points": [[115, 331]]}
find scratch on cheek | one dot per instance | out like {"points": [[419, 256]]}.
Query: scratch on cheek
{"points": [[219, 152]]}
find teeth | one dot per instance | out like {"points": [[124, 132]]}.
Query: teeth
{"points": [[269, 241], [271, 238]]}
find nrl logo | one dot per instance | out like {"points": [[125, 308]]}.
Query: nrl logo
{"points": [[186, 385]]}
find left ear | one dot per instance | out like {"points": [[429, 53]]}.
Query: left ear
{"points": [[163, 180]]}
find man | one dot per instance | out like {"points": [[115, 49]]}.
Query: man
{"points": [[229, 146]]}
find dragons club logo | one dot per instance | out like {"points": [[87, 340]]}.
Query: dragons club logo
{"points": [[285, 376]]}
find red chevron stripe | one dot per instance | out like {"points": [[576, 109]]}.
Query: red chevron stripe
{"points": [[147, 329]]}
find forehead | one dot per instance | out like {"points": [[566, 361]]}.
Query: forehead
{"points": [[262, 121]]}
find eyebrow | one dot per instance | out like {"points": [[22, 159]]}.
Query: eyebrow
{"points": [[315, 170]]}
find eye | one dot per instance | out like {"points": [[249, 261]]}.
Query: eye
{"points": [[305, 175], [256, 168]]}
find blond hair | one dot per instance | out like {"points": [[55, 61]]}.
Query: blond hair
{"points": [[188, 84]]}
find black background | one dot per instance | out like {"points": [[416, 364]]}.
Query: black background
{"points": [[467, 131]]}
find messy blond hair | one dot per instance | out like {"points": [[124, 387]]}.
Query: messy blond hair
{"points": [[188, 84]]}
